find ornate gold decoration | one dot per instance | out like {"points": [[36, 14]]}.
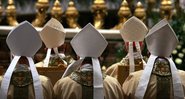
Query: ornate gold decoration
{"points": [[1, 11], [163, 78], [72, 15], [100, 11], [56, 11], [11, 13], [123, 13], [83, 77], [42, 6], [166, 9], [140, 11]]}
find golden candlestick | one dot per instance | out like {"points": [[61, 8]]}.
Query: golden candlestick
{"points": [[56, 11], [166, 9], [42, 7], [11, 13], [1, 11], [140, 11], [123, 13], [100, 11], [72, 15]]}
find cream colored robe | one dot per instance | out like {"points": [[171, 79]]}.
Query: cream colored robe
{"points": [[46, 84], [67, 88], [131, 83], [113, 69]]}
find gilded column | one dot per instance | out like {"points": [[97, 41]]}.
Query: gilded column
{"points": [[166, 9], [42, 7], [100, 11], [1, 11], [72, 15], [11, 13], [56, 11]]}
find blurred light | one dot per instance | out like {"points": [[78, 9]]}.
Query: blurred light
{"points": [[181, 55], [174, 52], [179, 46], [178, 61], [183, 50]]}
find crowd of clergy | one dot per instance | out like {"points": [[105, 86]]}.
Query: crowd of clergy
{"points": [[158, 77]]}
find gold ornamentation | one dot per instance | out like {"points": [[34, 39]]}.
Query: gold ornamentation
{"points": [[123, 13], [140, 11], [56, 11], [21, 76], [166, 9], [100, 11], [1, 11], [163, 78], [11, 13], [42, 7], [72, 15], [161, 67], [84, 77]]}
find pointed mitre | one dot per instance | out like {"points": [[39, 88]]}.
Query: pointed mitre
{"points": [[53, 34], [133, 30], [89, 42], [161, 39]]}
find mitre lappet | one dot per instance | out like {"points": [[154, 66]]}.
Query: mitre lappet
{"points": [[89, 43], [161, 41], [133, 33], [53, 36], [25, 41]]}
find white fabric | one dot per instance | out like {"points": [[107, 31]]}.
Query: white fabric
{"points": [[7, 78], [131, 57], [86, 67], [46, 60], [97, 80], [177, 86], [144, 80], [36, 81], [72, 67], [138, 48], [56, 50]]}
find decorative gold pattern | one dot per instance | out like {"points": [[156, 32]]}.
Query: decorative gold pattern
{"points": [[1, 11], [42, 7], [84, 77], [100, 11], [163, 77], [166, 9], [11, 13], [21, 77], [72, 15], [161, 67]]}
